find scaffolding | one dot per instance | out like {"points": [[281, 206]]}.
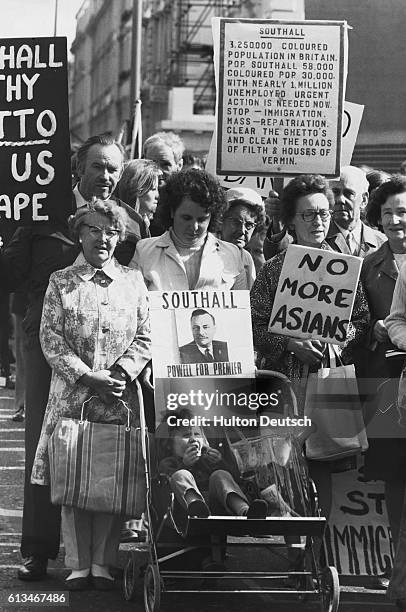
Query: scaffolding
{"points": [[179, 49]]}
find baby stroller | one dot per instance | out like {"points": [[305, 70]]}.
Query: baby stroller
{"points": [[272, 466]]}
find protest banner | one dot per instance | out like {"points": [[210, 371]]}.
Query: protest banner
{"points": [[35, 182], [315, 294], [358, 538], [187, 324], [280, 97]]}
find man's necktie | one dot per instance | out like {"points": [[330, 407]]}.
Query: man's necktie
{"points": [[209, 356], [351, 243]]}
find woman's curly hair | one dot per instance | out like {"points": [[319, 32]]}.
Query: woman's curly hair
{"points": [[199, 186]]}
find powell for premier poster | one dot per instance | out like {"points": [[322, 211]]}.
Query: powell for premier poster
{"points": [[201, 347]]}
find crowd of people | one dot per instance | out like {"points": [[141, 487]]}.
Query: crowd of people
{"points": [[82, 325]]}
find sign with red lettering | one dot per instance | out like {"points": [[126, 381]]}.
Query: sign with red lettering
{"points": [[35, 183], [315, 294], [280, 97]]}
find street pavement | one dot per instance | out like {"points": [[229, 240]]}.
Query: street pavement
{"points": [[352, 598]]}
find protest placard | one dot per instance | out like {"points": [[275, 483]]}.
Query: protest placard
{"points": [[358, 538], [35, 182], [193, 334], [280, 97], [200, 361], [315, 294]]}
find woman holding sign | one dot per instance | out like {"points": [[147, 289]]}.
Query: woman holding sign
{"points": [[306, 205]]}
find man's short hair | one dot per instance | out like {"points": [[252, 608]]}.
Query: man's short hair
{"points": [[106, 139], [170, 139], [201, 311]]}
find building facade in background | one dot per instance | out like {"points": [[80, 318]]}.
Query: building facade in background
{"points": [[177, 76]]}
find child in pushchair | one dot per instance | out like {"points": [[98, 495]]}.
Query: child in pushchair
{"points": [[198, 509], [202, 477]]}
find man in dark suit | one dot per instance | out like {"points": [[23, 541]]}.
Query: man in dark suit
{"points": [[203, 349], [347, 233]]}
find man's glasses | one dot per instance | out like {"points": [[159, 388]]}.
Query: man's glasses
{"points": [[310, 215], [96, 231], [239, 223]]}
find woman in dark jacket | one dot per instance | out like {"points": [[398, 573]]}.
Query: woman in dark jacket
{"points": [[307, 201]]}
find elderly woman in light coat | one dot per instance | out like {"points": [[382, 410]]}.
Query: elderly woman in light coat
{"points": [[95, 335]]}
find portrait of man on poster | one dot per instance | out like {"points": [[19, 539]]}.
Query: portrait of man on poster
{"points": [[203, 349]]}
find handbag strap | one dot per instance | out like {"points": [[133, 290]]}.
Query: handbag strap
{"points": [[332, 357]]}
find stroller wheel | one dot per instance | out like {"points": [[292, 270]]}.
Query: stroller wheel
{"points": [[152, 589], [330, 589], [132, 580]]}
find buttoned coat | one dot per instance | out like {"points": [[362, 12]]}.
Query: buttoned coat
{"points": [[91, 320], [162, 267]]}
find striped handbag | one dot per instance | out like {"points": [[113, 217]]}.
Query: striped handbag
{"points": [[98, 467]]}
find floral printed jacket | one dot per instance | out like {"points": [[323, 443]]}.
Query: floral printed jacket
{"points": [[91, 319]]}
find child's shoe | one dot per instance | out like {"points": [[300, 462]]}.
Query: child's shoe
{"points": [[198, 508]]}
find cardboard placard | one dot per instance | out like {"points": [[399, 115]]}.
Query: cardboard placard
{"points": [[35, 182], [358, 537], [280, 97], [222, 384], [180, 338], [315, 294]]}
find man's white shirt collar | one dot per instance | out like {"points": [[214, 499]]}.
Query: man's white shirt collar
{"points": [[203, 350], [356, 232], [80, 200]]}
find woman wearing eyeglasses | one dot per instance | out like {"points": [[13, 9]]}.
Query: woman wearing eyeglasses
{"points": [[245, 213], [306, 204], [95, 335]]}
